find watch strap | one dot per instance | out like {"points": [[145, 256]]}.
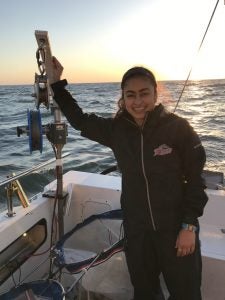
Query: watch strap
{"points": [[189, 227]]}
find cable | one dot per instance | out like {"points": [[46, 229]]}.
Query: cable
{"points": [[185, 84]]}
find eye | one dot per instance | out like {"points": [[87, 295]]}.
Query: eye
{"points": [[144, 94], [130, 96]]}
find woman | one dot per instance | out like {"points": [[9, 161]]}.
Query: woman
{"points": [[161, 160]]}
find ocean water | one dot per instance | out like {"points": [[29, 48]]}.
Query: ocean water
{"points": [[202, 103]]}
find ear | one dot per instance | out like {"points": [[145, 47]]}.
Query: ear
{"points": [[123, 103], [155, 96]]}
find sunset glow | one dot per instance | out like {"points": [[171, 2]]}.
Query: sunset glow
{"points": [[98, 42]]}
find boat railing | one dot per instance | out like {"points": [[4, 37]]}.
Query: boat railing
{"points": [[13, 186]]}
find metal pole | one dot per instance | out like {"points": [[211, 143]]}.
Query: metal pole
{"points": [[43, 41]]}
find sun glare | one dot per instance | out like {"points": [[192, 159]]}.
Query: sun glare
{"points": [[165, 41], [156, 36], [161, 35]]}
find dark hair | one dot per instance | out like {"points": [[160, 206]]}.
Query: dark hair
{"points": [[138, 71], [131, 73]]}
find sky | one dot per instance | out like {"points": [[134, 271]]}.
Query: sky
{"points": [[98, 40]]}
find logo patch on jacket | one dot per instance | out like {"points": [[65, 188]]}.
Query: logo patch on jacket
{"points": [[162, 150]]}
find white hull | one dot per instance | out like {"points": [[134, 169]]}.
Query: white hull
{"points": [[94, 193]]}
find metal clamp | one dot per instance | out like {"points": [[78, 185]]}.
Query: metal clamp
{"points": [[14, 187]]}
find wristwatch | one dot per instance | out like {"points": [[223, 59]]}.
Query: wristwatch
{"points": [[189, 227]]}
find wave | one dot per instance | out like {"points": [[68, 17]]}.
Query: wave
{"points": [[202, 104]]}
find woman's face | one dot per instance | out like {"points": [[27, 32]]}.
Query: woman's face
{"points": [[139, 97]]}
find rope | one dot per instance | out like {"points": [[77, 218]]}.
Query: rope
{"points": [[186, 81]]}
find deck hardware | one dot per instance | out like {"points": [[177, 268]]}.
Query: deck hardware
{"points": [[56, 132], [41, 91], [14, 187]]}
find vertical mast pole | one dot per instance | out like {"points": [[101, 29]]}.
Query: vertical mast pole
{"points": [[58, 127]]}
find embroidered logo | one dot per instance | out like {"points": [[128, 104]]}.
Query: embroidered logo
{"points": [[162, 150]]}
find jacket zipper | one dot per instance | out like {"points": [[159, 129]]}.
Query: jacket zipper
{"points": [[146, 181], [144, 173], [143, 168]]}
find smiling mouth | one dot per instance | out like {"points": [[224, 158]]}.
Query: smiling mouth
{"points": [[139, 109]]}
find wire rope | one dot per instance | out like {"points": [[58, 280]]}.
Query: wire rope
{"points": [[199, 48]]}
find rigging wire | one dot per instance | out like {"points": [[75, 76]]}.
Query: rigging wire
{"points": [[186, 81]]}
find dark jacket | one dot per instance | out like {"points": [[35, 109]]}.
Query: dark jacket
{"points": [[161, 163]]}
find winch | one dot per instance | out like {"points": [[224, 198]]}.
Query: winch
{"points": [[55, 132]]}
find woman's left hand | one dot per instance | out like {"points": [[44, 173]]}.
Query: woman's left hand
{"points": [[185, 243], [57, 70]]}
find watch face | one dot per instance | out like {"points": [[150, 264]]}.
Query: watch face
{"points": [[189, 227]]}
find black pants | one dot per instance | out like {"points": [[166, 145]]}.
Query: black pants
{"points": [[150, 253]]}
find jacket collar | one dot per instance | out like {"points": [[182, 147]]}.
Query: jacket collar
{"points": [[151, 119]]}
